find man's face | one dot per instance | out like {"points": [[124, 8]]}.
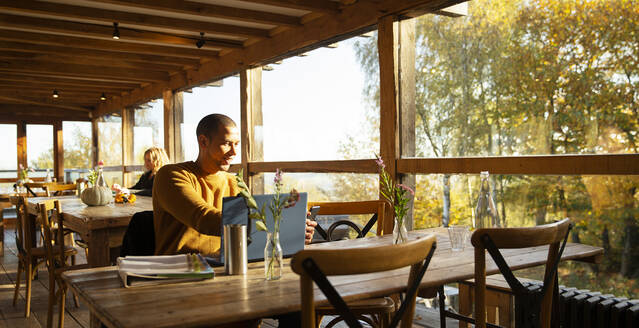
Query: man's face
{"points": [[220, 149]]}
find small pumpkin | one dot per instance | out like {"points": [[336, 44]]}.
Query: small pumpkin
{"points": [[96, 196]]}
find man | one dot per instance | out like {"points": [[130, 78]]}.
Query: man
{"points": [[187, 197]]}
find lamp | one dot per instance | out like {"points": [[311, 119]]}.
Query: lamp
{"points": [[103, 97], [200, 43], [116, 32], [55, 94]]}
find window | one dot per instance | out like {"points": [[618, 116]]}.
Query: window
{"points": [[39, 149], [217, 97], [316, 107], [77, 144], [148, 130], [110, 147], [8, 161]]}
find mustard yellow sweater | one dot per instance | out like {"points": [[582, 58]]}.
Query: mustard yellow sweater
{"points": [[187, 208]]}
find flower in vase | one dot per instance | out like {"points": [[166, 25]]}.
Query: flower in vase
{"points": [[398, 195]]}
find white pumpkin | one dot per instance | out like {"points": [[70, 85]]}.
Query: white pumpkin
{"points": [[96, 196]]}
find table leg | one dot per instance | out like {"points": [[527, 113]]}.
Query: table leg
{"points": [[94, 321], [98, 248]]}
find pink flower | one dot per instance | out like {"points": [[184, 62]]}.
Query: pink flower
{"points": [[31, 169], [100, 163], [407, 188], [380, 162], [21, 167], [278, 176], [292, 199]]}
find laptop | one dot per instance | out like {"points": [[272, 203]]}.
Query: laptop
{"points": [[292, 226]]}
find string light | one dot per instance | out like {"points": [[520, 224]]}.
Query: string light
{"points": [[55, 93], [200, 43], [116, 32], [103, 97]]}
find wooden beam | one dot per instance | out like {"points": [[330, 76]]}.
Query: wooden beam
{"points": [[48, 26], [70, 50], [106, 44], [30, 113], [128, 122], [169, 125], [95, 141], [74, 81], [15, 90], [348, 166], [63, 11], [22, 144], [350, 21], [610, 164], [178, 120], [123, 74], [325, 6], [43, 102], [210, 10], [58, 151], [27, 86], [251, 121]]}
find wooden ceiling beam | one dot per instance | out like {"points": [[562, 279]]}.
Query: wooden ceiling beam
{"points": [[106, 62], [4, 84], [69, 11], [36, 78], [55, 69], [43, 25], [85, 95], [41, 102], [85, 79], [324, 6], [326, 29], [210, 10], [106, 44], [20, 112], [92, 53]]}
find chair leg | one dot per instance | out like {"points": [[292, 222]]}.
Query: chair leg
{"points": [[51, 300], [465, 303], [28, 273], [17, 291], [63, 295], [442, 307]]}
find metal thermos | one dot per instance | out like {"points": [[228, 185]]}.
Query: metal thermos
{"points": [[235, 258]]}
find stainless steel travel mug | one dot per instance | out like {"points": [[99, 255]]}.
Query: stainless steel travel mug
{"points": [[235, 258]]}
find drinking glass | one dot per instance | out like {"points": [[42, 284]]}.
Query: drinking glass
{"points": [[457, 234]]}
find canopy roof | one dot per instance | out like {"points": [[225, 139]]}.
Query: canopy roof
{"points": [[68, 45]]}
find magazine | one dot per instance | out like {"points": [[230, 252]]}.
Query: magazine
{"points": [[162, 269]]}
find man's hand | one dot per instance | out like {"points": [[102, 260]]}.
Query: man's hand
{"points": [[310, 230]]}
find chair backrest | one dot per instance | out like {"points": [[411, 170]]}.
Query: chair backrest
{"points": [[51, 188], [315, 264], [24, 231], [31, 186], [50, 215], [532, 306], [375, 207], [139, 238]]}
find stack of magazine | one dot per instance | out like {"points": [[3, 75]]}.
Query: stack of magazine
{"points": [[153, 270]]}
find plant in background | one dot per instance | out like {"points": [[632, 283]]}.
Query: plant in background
{"points": [[92, 177], [23, 172], [272, 251], [398, 195]]}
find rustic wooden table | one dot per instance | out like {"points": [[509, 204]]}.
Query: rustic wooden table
{"points": [[227, 299], [102, 227]]}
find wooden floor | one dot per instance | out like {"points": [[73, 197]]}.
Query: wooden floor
{"points": [[11, 316]]}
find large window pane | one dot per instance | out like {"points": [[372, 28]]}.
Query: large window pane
{"points": [[9, 159], [318, 107], [219, 97], [528, 77], [603, 209], [110, 146], [148, 130], [77, 149], [39, 149]]}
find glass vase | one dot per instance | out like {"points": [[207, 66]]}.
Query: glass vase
{"points": [[486, 215], [273, 256], [400, 234]]}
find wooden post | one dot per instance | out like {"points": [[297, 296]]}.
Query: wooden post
{"points": [[388, 119], [128, 121], [95, 141], [22, 143], [58, 151], [251, 126], [407, 102], [173, 117]]}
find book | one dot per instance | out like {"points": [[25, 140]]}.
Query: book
{"points": [[162, 269]]}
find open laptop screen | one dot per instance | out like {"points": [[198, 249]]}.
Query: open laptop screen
{"points": [[292, 226]]}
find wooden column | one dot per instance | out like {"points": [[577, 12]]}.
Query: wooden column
{"points": [[388, 119], [173, 118], [128, 121], [95, 149], [251, 126], [58, 151], [406, 74], [22, 143]]}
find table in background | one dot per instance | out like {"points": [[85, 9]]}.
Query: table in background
{"points": [[227, 299], [102, 227]]}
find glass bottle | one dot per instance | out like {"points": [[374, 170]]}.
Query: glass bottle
{"points": [[48, 177], [486, 215], [273, 256], [100, 181]]}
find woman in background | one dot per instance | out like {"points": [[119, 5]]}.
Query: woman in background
{"points": [[154, 159]]}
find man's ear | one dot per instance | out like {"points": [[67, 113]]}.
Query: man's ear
{"points": [[202, 141]]}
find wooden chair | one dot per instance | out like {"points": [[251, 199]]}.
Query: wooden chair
{"points": [[32, 187], [50, 212], [53, 188], [533, 304], [314, 265], [29, 256], [377, 308]]}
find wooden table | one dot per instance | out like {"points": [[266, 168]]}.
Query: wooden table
{"points": [[102, 227], [227, 299]]}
